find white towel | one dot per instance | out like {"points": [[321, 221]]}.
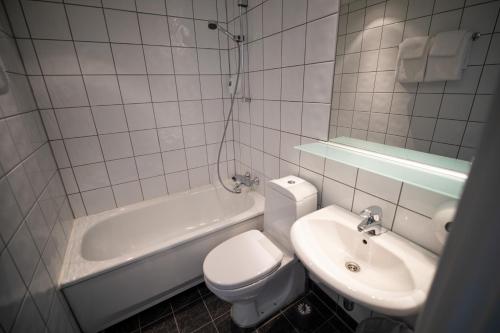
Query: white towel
{"points": [[412, 58], [448, 56]]}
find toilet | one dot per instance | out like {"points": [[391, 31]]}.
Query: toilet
{"points": [[257, 272]]}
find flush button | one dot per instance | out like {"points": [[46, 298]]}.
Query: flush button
{"points": [[291, 182]]}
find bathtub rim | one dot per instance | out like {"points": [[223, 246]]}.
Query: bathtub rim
{"points": [[84, 223]]}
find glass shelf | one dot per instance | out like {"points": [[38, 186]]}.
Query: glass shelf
{"points": [[435, 173]]}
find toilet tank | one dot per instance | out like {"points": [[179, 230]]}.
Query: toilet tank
{"points": [[287, 199]]}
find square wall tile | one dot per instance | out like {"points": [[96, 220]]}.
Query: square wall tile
{"points": [[99, 200], [167, 114], [75, 122], [134, 88], [109, 119], [129, 59], [79, 18], [151, 6], [158, 60], [154, 29], [315, 119], [140, 116], [292, 79], [272, 17], [177, 182], [382, 187], [335, 193], [449, 131], [416, 228], [46, 20], [182, 31], [145, 142], [171, 138], [149, 165], [180, 8], [293, 46], [422, 201], [83, 150], [116, 145], [122, 171], [341, 172], [102, 89], [91, 176], [320, 8], [294, 13], [12, 288], [57, 57], [153, 187], [66, 91], [321, 39], [174, 161], [317, 82], [123, 27], [95, 58]]}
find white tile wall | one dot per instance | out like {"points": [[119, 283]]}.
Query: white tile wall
{"points": [[293, 111], [133, 96], [436, 115], [35, 215]]}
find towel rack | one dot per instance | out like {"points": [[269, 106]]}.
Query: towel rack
{"points": [[476, 35]]}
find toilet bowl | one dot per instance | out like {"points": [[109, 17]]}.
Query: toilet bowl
{"points": [[257, 272]]}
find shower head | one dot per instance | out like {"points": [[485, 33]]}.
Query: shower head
{"points": [[212, 25]]}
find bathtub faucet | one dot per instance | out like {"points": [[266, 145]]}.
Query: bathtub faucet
{"points": [[245, 180]]}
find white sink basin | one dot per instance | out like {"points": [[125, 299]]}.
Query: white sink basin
{"points": [[394, 274]]}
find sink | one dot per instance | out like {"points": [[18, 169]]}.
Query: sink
{"points": [[386, 273]]}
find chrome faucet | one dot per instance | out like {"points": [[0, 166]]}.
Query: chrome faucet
{"points": [[244, 180], [372, 221]]}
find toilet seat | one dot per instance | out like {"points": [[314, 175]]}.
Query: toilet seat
{"points": [[242, 261]]}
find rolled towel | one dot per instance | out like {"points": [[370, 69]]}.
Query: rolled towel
{"points": [[448, 56], [412, 59]]}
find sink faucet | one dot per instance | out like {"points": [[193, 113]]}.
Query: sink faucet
{"points": [[245, 180], [372, 221]]}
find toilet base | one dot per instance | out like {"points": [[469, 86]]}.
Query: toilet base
{"points": [[280, 290]]}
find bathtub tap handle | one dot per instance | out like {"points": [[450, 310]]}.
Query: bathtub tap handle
{"points": [[245, 180]]}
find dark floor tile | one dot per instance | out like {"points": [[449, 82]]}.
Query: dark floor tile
{"points": [[338, 326], [346, 318], [208, 328], [226, 325], [216, 306], [185, 298], [192, 317], [308, 313], [278, 324], [126, 326], [329, 302], [165, 324], [203, 289], [154, 313]]}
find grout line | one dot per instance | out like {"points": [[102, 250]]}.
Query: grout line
{"points": [[201, 104], [88, 100], [173, 315], [178, 107], [151, 99]]}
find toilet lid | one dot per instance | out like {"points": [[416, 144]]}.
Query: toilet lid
{"points": [[242, 260]]}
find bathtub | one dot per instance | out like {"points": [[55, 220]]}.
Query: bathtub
{"points": [[122, 261]]}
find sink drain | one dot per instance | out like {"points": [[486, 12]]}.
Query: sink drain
{"points": [[352, 266]]}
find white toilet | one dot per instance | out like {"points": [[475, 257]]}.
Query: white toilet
{"points": [[257, 271]]}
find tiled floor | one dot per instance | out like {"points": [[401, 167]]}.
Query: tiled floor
{"points": [[198, 310]]}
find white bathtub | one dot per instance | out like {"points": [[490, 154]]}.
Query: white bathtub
{"points": [[122, 261]]}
